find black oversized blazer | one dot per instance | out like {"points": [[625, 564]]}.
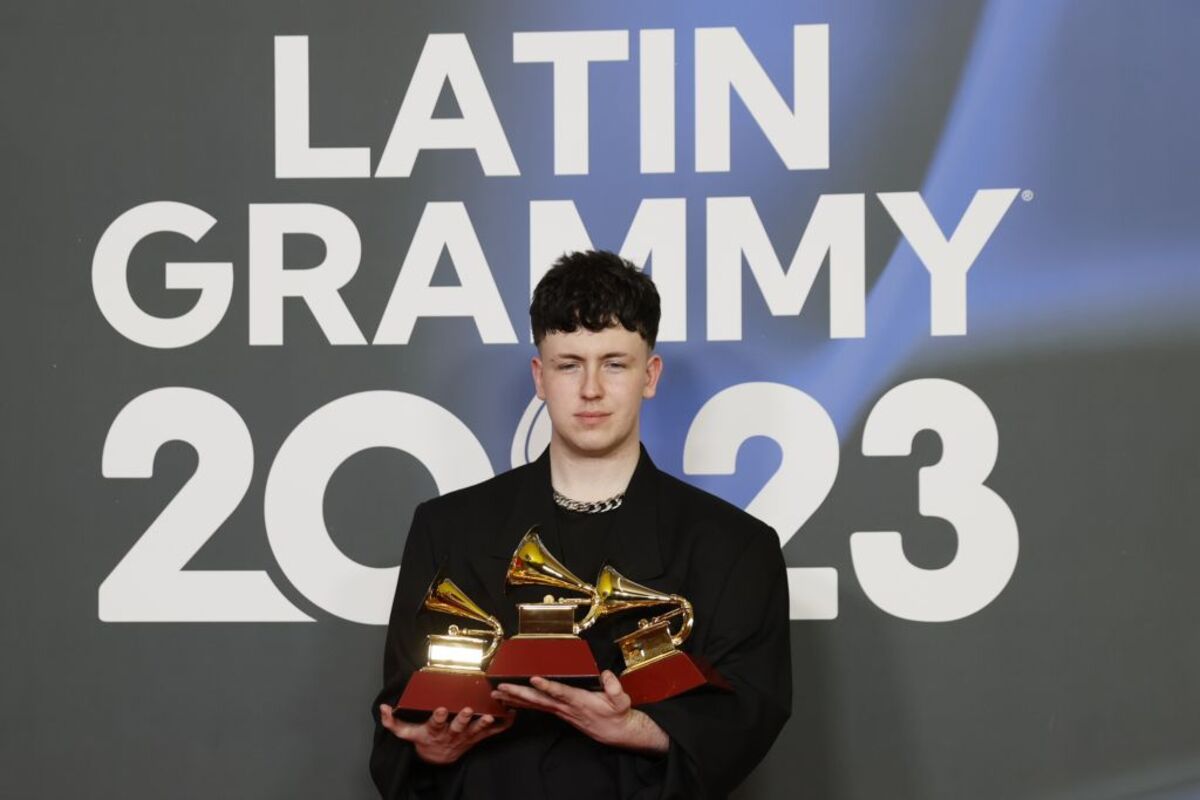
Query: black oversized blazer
{"points": [[667, 535]]}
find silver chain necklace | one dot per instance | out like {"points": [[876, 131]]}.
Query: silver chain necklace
{"points": [[594, 507]]}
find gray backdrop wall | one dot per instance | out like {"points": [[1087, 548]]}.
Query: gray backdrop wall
{"points": [[931, 288]]}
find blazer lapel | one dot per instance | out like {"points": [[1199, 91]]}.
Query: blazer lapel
{"points": [[635, 549], [533, 505]]}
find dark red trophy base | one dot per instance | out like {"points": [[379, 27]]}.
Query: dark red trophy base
{"points": [[431, 689], [671, 675], [566, 659]]}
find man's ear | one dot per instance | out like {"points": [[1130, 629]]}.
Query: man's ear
{"points": [[535, 367], [654, 368]]}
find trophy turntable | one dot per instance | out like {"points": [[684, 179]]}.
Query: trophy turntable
{"points": [[655, 668], [547, 642], [453, 677]]}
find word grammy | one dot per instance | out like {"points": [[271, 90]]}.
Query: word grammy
{"points": [[835, 232]]}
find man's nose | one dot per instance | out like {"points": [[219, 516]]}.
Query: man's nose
{"points": [[591, 388]]}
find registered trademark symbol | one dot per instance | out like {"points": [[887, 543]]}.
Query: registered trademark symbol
{"points": [[1027, 195]]}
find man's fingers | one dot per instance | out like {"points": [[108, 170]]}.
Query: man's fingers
{"points": [[499, 725], [461, 720], [516, 702], [437, 720], [403, 730], [559, 691], [525, 697], [408, 731], [612, 686], [614, 692], [386, 719], [480, 725]]}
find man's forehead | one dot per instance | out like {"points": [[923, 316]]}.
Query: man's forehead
{"points": [[581, 341]]}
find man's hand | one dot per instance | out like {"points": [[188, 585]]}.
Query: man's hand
{"points": [[606, 716], [440, 742]]}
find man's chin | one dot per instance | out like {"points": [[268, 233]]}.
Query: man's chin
{"points": [[594, 444]]}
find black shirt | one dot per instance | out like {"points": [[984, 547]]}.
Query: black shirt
{"points": [[584, 540]]}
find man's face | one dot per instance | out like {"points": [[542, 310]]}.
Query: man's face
{"points": [[593, 385]]}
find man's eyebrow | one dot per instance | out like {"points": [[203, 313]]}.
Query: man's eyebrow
{"points": [[577, 357]]}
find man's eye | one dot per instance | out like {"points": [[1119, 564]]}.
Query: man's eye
{"points": [[567, 367], [615, 365]]}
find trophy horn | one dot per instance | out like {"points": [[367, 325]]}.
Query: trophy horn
{"points": [[615, 592], [533, 565], [445, 596]]}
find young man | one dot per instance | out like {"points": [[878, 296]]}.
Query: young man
{"points": [[598, 499]]}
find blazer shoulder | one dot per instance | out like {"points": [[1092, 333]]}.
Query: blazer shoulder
{"points": [[481, 499], [714, 518]]}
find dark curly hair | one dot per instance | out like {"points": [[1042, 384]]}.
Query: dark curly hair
{"points": [[594, 289]]}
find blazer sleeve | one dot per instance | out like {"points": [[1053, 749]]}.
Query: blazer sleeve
{"points": [[717, 738], [397, 771]]}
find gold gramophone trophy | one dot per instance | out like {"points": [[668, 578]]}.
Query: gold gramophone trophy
{"points": [[654, 668], [453, 678], [547, 642]]}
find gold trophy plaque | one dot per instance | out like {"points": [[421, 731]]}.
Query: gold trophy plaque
{"points": [[547, 642], [453, 677]]}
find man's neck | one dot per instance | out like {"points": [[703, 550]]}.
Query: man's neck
{"points": [[589, 478]]}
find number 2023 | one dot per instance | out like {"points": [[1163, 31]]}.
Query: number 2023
{"points": [[150, 583]]}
